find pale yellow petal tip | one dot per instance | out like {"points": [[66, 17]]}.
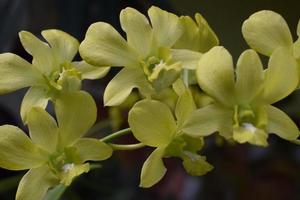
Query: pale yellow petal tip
{"points": [[59, 33], [23, 34]]}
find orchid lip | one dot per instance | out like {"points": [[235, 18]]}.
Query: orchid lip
{"points": [[249, 127]]}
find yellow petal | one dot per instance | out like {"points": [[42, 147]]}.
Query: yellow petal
{"points": [[90, 71], [76, 112], [282, 76], [63, 45], [17, 152], [249, 76], [153, 169], [17, 73], [207, 120], [216, 76], [120, 87], [251, 134], [104, 46], [35, 97], [265, 31], [43, 56], [35, 184], [197, 36], [281, 124], [138, 30], [92, 149], [184, 107], [166, 26], [195, 164], [297, 50], [152, 123], [42, 129], [71, 171], [189, 59]]}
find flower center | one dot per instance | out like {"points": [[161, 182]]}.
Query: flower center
{"points": [[67, 79], [249, 127], [67, 167], [160, 73]]}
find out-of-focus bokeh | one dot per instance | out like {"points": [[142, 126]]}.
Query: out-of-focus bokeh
{"points": [[242, 172]]}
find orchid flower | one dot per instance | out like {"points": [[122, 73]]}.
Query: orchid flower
{"points": [[152, 122], [52, 71], [150, 64], [54, 153], [242, 109]]}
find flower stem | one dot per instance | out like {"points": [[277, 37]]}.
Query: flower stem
{"points": [[116, 134], [127, 147]]}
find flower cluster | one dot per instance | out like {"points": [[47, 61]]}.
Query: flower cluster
{"points": [[188, 88]]}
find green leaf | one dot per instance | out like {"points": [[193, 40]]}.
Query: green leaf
{"points": [[249, 77], [35, 97], [281, 124], [152, 123], [216, 76], [63, 45], [43, 56], [166, 26], [153, 169], [265, 31], [92, 149], [282, 76], [195, 164], [138, 30], [17, 73], [90, 71], [120, 87], [104, 46], [42, 129], [207, 120], [17, 152], [35, 184], [189, 59], [184, 107], [76, 113]]}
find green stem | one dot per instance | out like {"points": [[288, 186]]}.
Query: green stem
{"points": [[116, 134], [127, 147]]}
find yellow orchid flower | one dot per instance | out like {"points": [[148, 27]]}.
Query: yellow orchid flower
{"points": [[150, 64], [54, 154], [153, 123], [242, 109], [52, 71]]}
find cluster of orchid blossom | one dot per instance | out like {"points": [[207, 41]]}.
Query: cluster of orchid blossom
{"points": [[188, 88]]}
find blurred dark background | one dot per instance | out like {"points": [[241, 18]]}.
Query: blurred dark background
{"points": [[242, 172]]}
